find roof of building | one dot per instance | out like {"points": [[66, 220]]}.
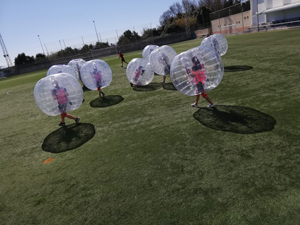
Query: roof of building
{"points": [[280, 8]]}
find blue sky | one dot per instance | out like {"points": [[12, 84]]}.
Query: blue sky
{"points": [[66, 23]]}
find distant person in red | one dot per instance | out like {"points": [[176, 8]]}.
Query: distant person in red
{"points": [[60, 94], [122, 58], [198, 73]]}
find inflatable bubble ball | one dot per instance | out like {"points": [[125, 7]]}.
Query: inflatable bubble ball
{"points": [[147, 51], [197, 70], [96, 73], [218, 42], [55, 69], [58, 93], [139, 72], [161, 59], [76, 64]]}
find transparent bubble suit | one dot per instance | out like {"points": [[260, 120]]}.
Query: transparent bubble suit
{"points": [[139, 72], [218, 42], [76, 64], [55, 69], [147, 51], [161, 59], [58, 93], [187, 67], [96, 73]]}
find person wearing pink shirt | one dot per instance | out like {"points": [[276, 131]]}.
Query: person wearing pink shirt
{"points": [[60, 94], [198, 73], [98, 77], [139, 72]]}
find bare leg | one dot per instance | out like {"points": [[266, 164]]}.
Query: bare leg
{"points": [[70, 116], [204, 95], [197, 99]]}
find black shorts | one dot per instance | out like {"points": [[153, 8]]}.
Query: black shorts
{"points": [[123, 60], [63, 107], [200, 87]]}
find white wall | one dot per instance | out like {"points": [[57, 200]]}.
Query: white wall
{"points": [[263, 5]]}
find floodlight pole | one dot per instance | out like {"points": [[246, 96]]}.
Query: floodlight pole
{"points": [[46, 50], [100, 37], [41, 44], [96, 31], [257, 18], [60, 45]]}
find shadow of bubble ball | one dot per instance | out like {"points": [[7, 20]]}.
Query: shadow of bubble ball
{"points": [[85, 89], [237, 68], [68, 137], [149, 87], [108, 100], [236, 119], [169, 86]]}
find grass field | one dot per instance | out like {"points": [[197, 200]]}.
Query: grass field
{"points": [[153, 159]]}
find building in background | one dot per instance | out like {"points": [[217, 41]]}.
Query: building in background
{"points": [[272, 11]]}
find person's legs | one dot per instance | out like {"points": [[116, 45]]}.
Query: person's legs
{"points": [[164, 79], [197, 99], [100, 92], [70, 116], [63, 115], [196, 102], [204, 95]]}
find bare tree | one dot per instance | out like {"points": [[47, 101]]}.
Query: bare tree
{"points": [[165, 17], [175, 9]]}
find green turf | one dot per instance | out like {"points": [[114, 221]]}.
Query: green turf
{"points": [[153, 159]]}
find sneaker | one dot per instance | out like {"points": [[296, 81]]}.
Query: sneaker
{"points": [[211, 105], [77, 120], [62, 124], [194, 105], [121, 66], [162, 82], [131, 84]]}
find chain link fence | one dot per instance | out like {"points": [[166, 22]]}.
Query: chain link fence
{"points": [[102, 52]]}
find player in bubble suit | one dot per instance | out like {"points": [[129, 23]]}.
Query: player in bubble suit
{"points": [[60, 94], [198, 74], [97, 76], [139, 72], [163, 59]]}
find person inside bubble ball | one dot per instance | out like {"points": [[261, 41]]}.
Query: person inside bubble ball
{"points": [[60, 94], [216, 45], [96, 74], [139, 72], [163, 59], [198, 73], [122, 58]]}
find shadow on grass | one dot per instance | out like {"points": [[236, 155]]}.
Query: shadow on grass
{"points": [[149, 87], [236, 119], [237, 68], [68, 137], [85, 89], [108, 100], [169, 86]]}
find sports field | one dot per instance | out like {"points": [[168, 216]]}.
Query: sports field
{"points": [[145, 156]]}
